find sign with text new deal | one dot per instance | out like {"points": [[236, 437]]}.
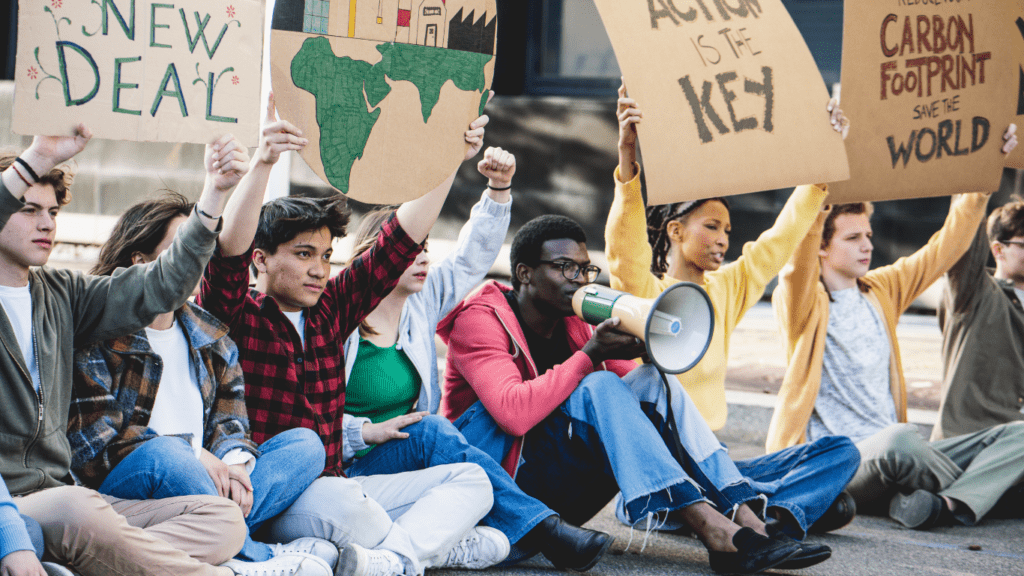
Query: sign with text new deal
{"points": [[145, 70], [930, 86], [732, 99]]}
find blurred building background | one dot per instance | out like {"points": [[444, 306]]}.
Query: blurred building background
{"points": [[556, 77]]}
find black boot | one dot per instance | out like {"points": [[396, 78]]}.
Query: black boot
{"points": [[569, 547], [754, 553], [839, 514]]}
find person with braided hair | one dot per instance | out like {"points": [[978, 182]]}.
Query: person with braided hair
{"points": [[687, 241]]}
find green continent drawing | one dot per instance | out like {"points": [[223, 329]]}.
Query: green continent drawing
{"points": [[337, 83], [345, 123], [428, 69]]}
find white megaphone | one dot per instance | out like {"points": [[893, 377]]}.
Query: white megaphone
{"points": [[676, 326]]}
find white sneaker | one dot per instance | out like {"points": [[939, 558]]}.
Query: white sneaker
{"points": [[292, 564], [358, 561], [482, 547], [52, 569], [322, 549]]}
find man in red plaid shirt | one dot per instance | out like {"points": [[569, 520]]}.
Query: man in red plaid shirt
{"points": [[289, 331]]}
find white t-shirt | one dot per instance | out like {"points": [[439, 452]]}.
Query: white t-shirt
{"points": [[1020, 294], [855, 399], [178, 407], [298, 319], [17, 304]]}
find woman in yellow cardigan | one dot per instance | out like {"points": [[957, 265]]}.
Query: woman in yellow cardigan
{"points": [[689, 243], [845, 374]]}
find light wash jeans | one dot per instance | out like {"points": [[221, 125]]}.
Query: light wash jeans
{"points": [[802, 480], [433, 441], [418, 515], [600, 441], [166, 466]]}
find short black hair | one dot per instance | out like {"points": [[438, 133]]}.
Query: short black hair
{"points": [[282, 219], [530, 238]]}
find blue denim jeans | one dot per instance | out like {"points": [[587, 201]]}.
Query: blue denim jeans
{"points": [[35, 534], [433, 441], [800, 482], [600, 441], [166, 466]]}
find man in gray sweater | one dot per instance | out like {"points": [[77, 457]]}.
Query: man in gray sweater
{"points": [[44, 315]]}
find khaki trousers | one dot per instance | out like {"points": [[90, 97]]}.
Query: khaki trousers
{"points": [[973, 469], [106, 536]]}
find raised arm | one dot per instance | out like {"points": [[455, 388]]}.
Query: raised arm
{"points": [[798, 281], [625, 234], [966, 277], [479, 241], [908, 277], [242, 214], [110, 306]]}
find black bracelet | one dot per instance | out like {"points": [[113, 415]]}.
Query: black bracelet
{"points": [[31, 172], [204, 214], [509, 187]]}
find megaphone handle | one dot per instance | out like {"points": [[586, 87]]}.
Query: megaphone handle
{"points": [[682, 456]]}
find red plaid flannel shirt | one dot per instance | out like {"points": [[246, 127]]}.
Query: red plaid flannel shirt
{"points": [[287, 386]]}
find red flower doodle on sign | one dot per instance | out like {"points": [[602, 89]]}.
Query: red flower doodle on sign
{"points": [[56, 3], [235, 80], [33, 73], [231, 11]]}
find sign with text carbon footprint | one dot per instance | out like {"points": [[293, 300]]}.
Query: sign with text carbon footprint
{"points": [[384, 89], [140, 70], [930, 87], [732, 99]]}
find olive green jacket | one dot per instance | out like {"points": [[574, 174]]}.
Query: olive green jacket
{"points": [[71, 309]]}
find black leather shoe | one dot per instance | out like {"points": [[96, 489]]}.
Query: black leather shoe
{"points": [[809, 555], [839, 514], [919, 510], [570, 547], [754, 553]]}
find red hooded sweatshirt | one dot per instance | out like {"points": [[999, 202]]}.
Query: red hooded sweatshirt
{"points": [[488, 360]]}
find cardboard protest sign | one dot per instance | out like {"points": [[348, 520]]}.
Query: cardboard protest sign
{"points": [[929, 88], [146, 70], [383, 89], [1016, 158], [732, 99]]}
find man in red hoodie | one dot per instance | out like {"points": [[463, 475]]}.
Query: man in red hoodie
{"points": [[559, 404]]}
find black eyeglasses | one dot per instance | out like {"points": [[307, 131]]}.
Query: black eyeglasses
{"points": [[571, 270], [1019, 243]]}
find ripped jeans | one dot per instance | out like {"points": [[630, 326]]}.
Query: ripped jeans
{"points": [[603, 440], [800, 482]]}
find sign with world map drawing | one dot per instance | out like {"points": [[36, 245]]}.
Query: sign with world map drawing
{"points": [[383, 89], [141, 70]]}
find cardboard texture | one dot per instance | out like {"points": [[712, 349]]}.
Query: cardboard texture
{"points": [[1016, 158], [383, 89], [930, 87], [732, 99], [141, 70]]}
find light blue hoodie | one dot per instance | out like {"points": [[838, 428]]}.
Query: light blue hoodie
{"points": [[448, 282]]}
